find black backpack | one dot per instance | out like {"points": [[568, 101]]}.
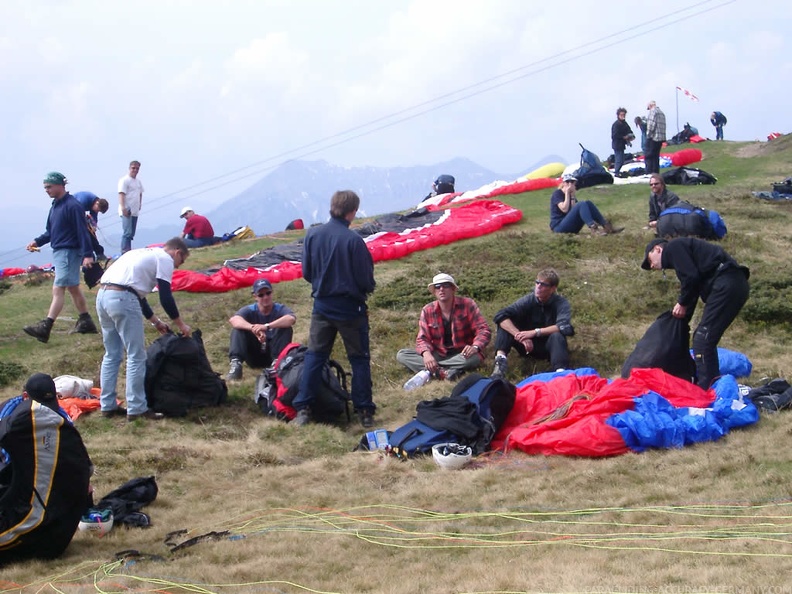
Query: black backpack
{"points": [[665, 345], [179, 376], [471, 415], [276, 398], [686, 220]]}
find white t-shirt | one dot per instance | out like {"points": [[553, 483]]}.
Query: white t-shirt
{"points": [[133, 190], [140, 270]]}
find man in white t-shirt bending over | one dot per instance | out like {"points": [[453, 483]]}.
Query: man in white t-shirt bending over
{"points": [[130, 201], [121, 306]]}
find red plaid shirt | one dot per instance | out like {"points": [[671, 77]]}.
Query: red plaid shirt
{"points": [[468, 326]]}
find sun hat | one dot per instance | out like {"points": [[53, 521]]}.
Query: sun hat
{"points": [[184, 211], [646, 264], [55, 178], [442, 278]]}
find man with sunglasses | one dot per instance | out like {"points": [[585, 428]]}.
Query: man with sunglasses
{"points": [[660, 198], [537, 324], [452, 333], [260, 331]]}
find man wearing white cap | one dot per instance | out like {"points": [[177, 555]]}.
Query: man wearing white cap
{"points": [[198, 231], [452, 333]]}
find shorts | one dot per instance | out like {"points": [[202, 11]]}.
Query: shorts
{"points": [[68, 263]]}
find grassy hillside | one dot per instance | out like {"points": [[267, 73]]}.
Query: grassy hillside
{"points": [[312, 515]]}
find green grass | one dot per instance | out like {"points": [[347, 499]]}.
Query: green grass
{"points": [[312, 515]]}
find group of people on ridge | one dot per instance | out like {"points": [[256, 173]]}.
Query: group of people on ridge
{"points": [[452, 336]]}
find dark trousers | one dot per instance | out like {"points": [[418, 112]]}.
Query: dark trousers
{"points": [[355, 334], [553, 347], [246, 347], [729, 293], [652, 155]]}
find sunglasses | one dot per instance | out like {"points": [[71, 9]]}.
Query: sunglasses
{"points": [[542, 284], [264, 294], [654, 184], [443, 286]]}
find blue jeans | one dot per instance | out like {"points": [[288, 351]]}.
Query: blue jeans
{"points": [[128, 228], [583, 213], [355, 334], [196, 243], [719, 132], [618, 161], [121, 320]]}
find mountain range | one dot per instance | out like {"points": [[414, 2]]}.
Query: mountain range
{"points": [[302, 190]]}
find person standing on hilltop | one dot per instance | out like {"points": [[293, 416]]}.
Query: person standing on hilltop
{"points": [[130, 202], [339, 266], [718, 120], [68, 235], [621, 136], [655, 137]]}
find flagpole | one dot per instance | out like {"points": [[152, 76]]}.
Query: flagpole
{"points": [[677, 109]]}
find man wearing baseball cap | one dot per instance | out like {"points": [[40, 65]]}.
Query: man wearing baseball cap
{"points": [[260, 331], [704, 270], [198, 231], [452, 333], [68, 236], [41, 388]]}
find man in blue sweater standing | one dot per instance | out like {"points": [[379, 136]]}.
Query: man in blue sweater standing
{"points": [[70, 240], [340, 269]]}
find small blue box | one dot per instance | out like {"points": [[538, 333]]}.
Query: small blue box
{"points": [[377, 440]]}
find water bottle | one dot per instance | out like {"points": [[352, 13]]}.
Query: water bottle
{"points": [[418, 380]]}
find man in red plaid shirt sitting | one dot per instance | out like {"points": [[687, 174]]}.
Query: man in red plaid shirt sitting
{"points": [[452, 333]]}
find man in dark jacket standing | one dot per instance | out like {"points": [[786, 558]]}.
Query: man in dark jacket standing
{"points": [[621, 136], [68, 235], [704, 270], [340, 269], [537, 324]]}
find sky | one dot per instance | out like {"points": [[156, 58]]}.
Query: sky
{"points": [[211, 95]]}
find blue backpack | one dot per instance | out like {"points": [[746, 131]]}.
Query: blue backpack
{"points": [[685, 220], [471, 415]]}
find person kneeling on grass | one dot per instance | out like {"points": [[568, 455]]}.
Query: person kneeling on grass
{"points": [[260, 331], [537, 324], [452, 333]]}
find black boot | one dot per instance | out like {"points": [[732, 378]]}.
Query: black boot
{"points": [[40, 330]]}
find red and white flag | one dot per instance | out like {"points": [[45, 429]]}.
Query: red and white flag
{"points": [[688, 94]]}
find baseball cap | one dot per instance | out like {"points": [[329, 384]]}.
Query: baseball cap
{"points": [[568, 177], [445, 179], [646, 265], [184, 211], [442, 278], [55, 178], [261, 283], [41, 388]]}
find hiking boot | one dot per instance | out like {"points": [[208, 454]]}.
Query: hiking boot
{"points": [[84, 325], [234, 370], [118, 411], [366, 418], [303, 417], [610, 229], [40, 330], [596, 230], [149, 415], [501, 368]]}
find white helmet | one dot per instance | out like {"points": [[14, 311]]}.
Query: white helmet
{"points": [[97, 522], [451, 456]]}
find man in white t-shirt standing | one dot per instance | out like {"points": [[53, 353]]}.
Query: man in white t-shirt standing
{"points": [[121, 305], [130, 201]]}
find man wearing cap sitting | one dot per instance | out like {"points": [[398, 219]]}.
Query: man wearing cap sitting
{"points": [[704, 270], [537, 324], [260, 331], [198, 231], [68, 235], [452, 333]]}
